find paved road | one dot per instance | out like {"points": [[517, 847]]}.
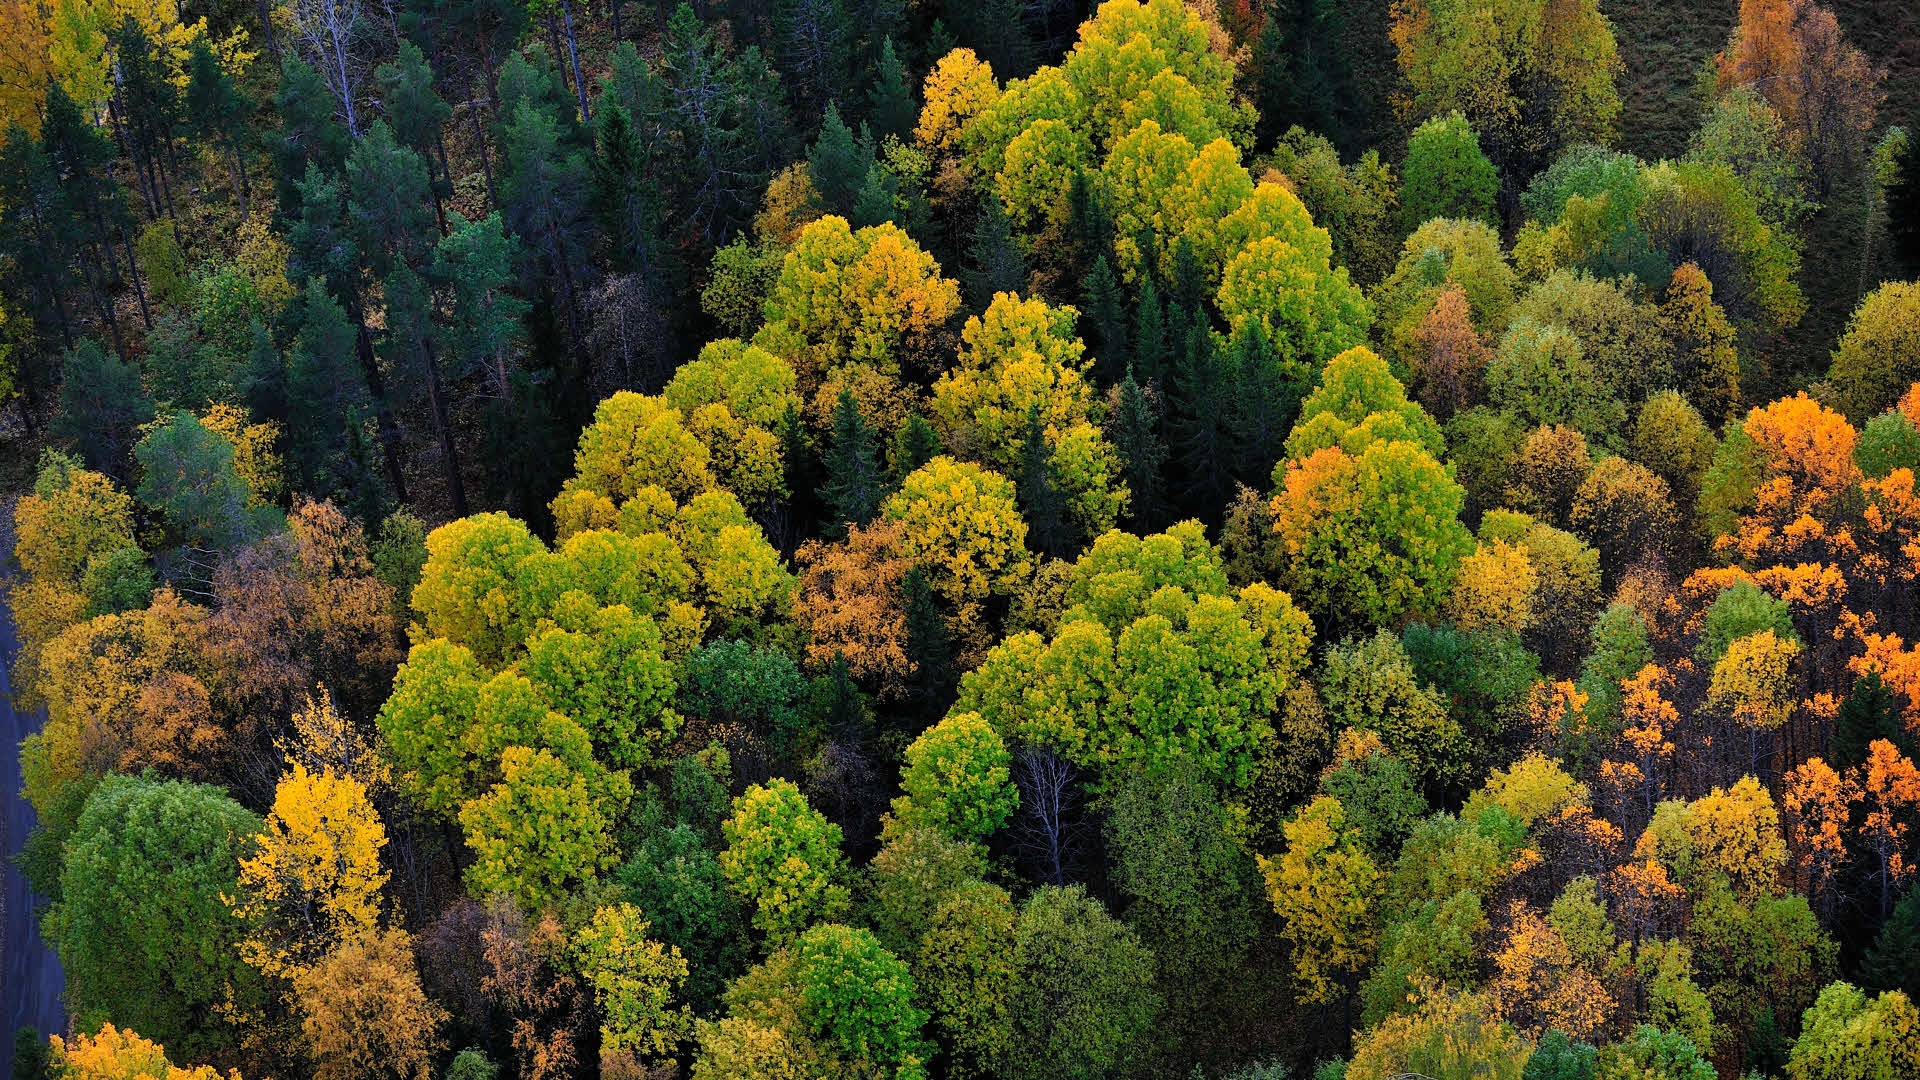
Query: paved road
{"points": [[30, 978]]}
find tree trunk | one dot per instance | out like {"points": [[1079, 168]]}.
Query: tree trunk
{"points": [[573, 52], [133, 274], [239, 176], [449, 452], [266, 30], [383, 410], [486, 162]]}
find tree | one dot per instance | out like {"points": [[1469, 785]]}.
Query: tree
{"points": [[188, 472], [956, 779], [1440, 254], [1370, 685], [890, 105], [1446, 175], [999, 264], [858, 997], [315, 882], [1529, 76], [635, 981], [1879, 355], [964, 967], [541, 828], [1546, 376], [1868, 713], [111, 1054], [963, 525], [854, 485], [864, 296], [1448, 1036], [852, 604], [1890, 794], [1307, 307], [1651, 1052], [1705, 360], [142, 926], [960, 87], [1359, 403], [783, 858], [101, 405], [1893, 963], [1540, 985], [1827, 91], [1452, 356], [1083, 994], [1347, 560], [364, 1012], [1191, 889], [1844, 1034], [1744, 133], [1133, 425], [1625, 511], [1322, 887]]}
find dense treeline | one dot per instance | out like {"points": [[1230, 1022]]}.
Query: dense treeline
{"points": [[844, 538]]}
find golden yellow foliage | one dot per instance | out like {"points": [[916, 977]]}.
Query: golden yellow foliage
{"points": [[317, 878]]}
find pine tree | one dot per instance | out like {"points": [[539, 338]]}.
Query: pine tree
{"points": [[1261, 402], [929, 647], [418, 114], [1203, 443], [1893, 963], [802, 467], [309, 135], [149, 108], [626, 199], [389, 196], [1868, 713], [411, 351], [1105, 311], [915, 444], [1041, 501], [544, 194], [811, 43], [218, 114], [855, 484], [997, 263], [837, 164], [1149, 333], [890, 107], [326, 397], [1092, 216], [876, 201], [997, 31], [1134, 426], [1903, 211]]}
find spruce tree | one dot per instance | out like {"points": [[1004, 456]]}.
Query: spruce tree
{"points": [[855, 483], [1134, 426], [1104, 309], [1261, 402], [1092, 216], [915, 444], [1149, 333], [875, 202], [929, 647], [802, 468], [995, 258], [811, 45], [217, 113], [836, 164], [309, 134], [1893, 963], [1041, 501], [1868, 713], [418, 113], [890, 108], [1203, 443]]}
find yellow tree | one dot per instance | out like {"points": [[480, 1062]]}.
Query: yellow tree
{"points": [[962, 523], [1530, 75], [23, 65], [960, 87], [1815, 805], [635, 981], [1493, 589], [866, 296], [118, 1054], [1539, 986], [1890, 792], [1324, 886], [316, 879], [365, 1014]]}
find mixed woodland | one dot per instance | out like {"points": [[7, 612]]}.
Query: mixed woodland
{"points": [[895, 540]]}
